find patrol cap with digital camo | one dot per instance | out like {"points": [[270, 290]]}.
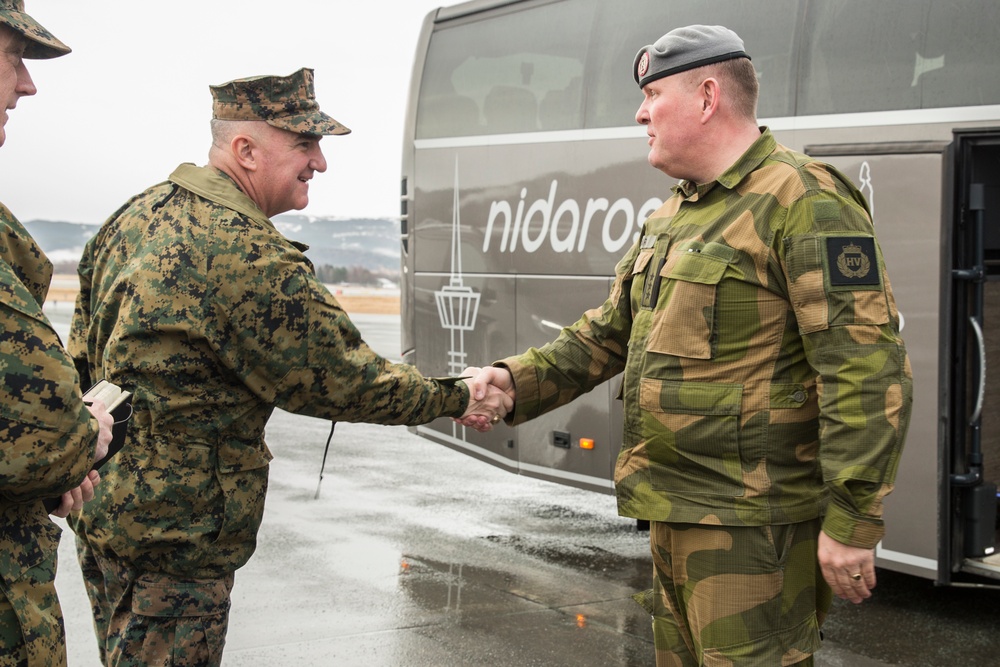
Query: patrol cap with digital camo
{"points": [[685, 48], [287, 102], [41, 44]]}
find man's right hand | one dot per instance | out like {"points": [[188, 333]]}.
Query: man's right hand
{"points": [[105, 422], [486, 383]]}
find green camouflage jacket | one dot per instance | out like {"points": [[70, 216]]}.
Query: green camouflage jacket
{"points": [[765, 379], [47, 438], [190, 296]]}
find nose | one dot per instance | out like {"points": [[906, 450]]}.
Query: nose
{"points": [[318, 162], [642, 115], [25, 86]]}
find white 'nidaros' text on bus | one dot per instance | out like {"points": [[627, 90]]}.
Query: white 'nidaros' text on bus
{"points": [[566, 227]]}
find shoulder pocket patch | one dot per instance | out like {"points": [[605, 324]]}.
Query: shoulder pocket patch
{"points": [[852, 262]]}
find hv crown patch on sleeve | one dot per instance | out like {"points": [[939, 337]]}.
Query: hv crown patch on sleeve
{"points": [[852, 262]]}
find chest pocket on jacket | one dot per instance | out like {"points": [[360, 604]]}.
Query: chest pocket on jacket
{"points": [[684, 322]]}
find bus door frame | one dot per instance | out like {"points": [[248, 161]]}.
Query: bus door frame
{"points": [[968, 501]]}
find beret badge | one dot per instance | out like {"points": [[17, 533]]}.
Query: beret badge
{"points": [[643, 65]]}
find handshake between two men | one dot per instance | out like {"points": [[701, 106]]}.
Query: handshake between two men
{"points": [[491, 397]]}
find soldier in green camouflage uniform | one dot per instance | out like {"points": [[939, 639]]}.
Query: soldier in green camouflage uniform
{"points": [[48, 437], [766, 389], [192, 297]]}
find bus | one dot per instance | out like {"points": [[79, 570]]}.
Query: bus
{"points": [[524, 181]]}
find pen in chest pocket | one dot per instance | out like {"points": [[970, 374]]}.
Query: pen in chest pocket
{"points": [[654, 292]]}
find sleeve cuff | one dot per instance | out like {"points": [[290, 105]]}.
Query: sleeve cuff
{"points": [[852, 530], [525, 390]]}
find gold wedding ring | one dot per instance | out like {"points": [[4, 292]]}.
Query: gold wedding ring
{"points": [[496, 419], [856, 577]]}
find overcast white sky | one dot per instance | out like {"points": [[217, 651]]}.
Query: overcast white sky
{"points": [[132, 101]]}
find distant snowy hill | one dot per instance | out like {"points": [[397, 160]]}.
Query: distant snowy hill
{"points": [[62, 241], [368, 243], [372, 244]]}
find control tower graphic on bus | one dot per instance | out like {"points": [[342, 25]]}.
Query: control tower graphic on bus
{"points": [[457, 304]]}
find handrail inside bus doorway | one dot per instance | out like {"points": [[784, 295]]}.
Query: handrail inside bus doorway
{"points": [[977, 275], [978, 330]]}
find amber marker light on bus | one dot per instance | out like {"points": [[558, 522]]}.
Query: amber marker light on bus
{"points": [[586, 443]]}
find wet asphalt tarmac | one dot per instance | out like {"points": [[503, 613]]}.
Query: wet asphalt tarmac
{"points": [[417, 555]]}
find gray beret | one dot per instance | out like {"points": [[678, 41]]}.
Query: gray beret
{"points": [[682, 49]]}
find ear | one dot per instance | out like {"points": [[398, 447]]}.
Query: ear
{"points": [[244, 149], [708, 92]]}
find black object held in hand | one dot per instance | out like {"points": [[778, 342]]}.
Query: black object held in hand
{"points": [[121, 414]]}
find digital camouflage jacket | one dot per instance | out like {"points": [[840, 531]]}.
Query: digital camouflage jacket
{"points": [[765, 381], [47, 441], [192, 298]]}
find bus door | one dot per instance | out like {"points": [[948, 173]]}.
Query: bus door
{"points": [[972, 457], [908, 227], [578, 443]]}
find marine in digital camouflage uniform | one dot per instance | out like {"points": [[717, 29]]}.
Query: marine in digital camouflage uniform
{"points": [[191, 296], [48, 445], [766, 388], [48, 437]]}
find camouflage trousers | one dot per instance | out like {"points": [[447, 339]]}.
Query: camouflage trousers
{"points": [[728, 596], [151, 619], [31, 624]]}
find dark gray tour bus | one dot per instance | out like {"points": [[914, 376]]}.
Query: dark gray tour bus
{"points": [[525, 180]]}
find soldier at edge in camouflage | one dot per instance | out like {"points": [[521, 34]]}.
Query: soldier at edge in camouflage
{"points": [[192, 297], [49, 439], [766, 389]]}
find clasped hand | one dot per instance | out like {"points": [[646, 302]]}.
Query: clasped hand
{"points": [[491, 397], [74, 499]]}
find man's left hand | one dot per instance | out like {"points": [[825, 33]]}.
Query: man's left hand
{"points": [[74, 499], [841, 566]]}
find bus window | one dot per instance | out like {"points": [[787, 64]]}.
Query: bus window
{"points": [[957, 62], [767, 30], [859, 55], [898, 54], [519, 72]]}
